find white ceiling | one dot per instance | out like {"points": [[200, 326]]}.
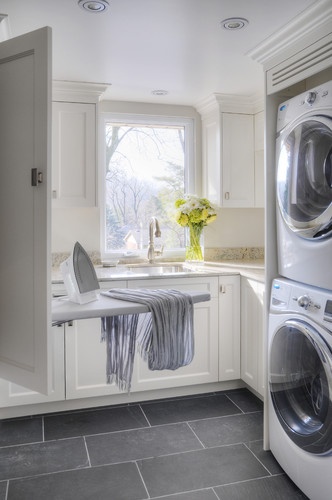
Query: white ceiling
{"points": [[141, 45]]}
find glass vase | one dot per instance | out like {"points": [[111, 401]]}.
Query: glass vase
{"points": [[194, 243]]}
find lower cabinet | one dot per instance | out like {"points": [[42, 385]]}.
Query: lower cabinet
{"points": [[252, 320], [15, 395], [229, 327], [79, 355]]}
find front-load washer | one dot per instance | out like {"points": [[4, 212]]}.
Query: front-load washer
{"points": [[304, 187], [300, 385]]}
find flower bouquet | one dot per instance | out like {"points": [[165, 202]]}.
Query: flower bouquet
{"points": [[194, 213]]}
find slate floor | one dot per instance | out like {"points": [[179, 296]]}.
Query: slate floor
{"points": [[206, 447]]}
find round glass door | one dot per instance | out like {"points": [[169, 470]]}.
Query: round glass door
{"points": [[304, 178], [300, 382]]}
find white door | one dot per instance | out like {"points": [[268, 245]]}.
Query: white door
{"points": [[25, 253]]}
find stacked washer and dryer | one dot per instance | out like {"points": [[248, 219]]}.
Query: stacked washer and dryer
{"points": [[300, 319]]}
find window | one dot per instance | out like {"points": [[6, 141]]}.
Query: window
{"points": [[147, 166]]}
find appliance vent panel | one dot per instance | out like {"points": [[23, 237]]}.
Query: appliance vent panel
{"points": [[302, 65]]}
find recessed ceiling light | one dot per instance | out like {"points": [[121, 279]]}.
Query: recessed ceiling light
{"points": [[159, 92], [94, 6], [234, 23]]}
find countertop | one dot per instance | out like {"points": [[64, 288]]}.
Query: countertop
{"points": [[253, 269]]}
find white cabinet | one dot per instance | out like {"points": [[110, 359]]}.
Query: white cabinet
{"points": [[74, 167], [86, 355], [74, 154], [232, 152], [15, 395], [25, 249], [252, 338], [86, 361], [204, 367], [229, 327], [237, 160]]}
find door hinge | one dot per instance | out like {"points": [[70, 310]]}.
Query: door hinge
{"points": [[36, 177]]}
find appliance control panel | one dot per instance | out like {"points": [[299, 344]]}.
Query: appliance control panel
{"points": [[292, 297]]}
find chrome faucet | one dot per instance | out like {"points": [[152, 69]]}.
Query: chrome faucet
{"points": [[152, 253]]}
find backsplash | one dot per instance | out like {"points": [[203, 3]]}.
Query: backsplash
{"points": [[210, 255]]}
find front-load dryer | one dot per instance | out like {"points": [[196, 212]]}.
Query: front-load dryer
{"points": [[304, 187], [300, 385]]}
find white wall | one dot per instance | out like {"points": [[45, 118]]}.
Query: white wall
{"points": [[75, 224], [233, 228]]}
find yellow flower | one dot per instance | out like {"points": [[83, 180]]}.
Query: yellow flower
{"points": [[192, 210]]}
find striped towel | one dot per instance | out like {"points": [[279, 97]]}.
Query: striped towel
{"points": [[164, 336]]}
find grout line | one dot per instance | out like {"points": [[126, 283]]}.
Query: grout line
{"points": [[140, 474], [192, 430], [43, 429], [87, 451], [7, 490], [245, 444], [146, 418]]}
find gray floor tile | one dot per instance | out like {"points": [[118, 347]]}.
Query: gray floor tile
{"points": [[265, 457], [270, 488], [245, 400], [182, 410], [41, 458], [229, 430], [199, 469], [3, 490], [115, 482], [191, 495], [20, 431], [93, 422], [141, 443]]}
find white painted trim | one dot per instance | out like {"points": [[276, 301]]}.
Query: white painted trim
{"points": [[226, 103], [5, 31], [308, 27], [78, 91]]}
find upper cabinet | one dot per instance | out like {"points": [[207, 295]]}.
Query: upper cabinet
{"points": [[233, 156], [74, 139]]}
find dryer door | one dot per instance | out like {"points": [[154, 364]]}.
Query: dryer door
{"points": [[304, 177], [300, 380]]}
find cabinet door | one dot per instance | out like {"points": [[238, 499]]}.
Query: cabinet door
{"points": [[229, 327], [86, 358], [238, 183], [204, 367], [252, 352], [25, 211], [16, 395], [74, 154]]}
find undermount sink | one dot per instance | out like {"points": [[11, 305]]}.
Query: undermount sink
{"points": [[157, 269]]}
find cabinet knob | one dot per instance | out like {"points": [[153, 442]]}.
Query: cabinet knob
{"points": [[227, 195]]}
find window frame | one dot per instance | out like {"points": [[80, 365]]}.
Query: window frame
{"points": [[190, 172]]}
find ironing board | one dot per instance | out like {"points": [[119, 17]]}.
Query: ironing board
{"points": [[63, 310]]}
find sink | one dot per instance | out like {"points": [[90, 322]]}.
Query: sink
{"points": [[157, 269]]}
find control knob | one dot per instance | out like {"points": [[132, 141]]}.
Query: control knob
{"points": [[306, 302], [310, 98]]}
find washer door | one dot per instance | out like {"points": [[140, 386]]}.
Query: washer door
{"points": [[300, 380], [304, 177]]}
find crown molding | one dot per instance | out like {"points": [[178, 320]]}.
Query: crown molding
{"points": [[311, 25], [229, 103], [63, 90]]}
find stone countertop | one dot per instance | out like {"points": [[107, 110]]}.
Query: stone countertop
{"points": [[253, 269]]}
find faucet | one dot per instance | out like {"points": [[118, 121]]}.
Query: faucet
{"points": [[152, 253]]}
